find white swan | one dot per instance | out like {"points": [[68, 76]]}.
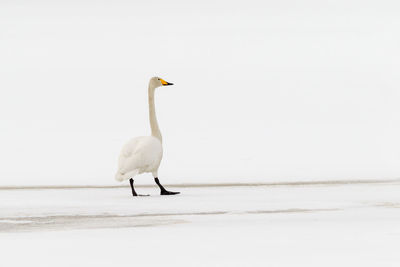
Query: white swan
{"points": [[143, 154]]}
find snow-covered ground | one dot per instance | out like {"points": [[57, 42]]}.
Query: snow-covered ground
{"points": [[355, 224]]}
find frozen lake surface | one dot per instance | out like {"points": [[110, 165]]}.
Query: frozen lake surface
{"points": [[311, 224]]}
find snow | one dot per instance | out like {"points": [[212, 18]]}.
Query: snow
{"points": [[281, 225]]}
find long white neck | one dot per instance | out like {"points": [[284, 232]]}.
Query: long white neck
{"points": [[155, 130]]}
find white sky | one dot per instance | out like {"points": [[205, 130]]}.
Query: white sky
{"points": [[264, 90]]}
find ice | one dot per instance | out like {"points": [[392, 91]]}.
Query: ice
{"points": [[276, 225]]}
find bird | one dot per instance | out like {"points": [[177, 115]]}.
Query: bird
{"points": [[143, 154]]}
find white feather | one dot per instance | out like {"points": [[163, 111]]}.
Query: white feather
{"points": [[141, 154]]}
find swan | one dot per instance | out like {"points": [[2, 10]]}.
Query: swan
{"points": [[144, 153]]}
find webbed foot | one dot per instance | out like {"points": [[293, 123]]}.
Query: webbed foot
{"points": [[165, 192]]}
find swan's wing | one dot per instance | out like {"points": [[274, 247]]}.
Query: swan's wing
{"points": [[140, 153], [128, 154], [129, 161]]}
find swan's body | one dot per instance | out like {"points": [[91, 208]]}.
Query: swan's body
{"points": [[143, 154]]}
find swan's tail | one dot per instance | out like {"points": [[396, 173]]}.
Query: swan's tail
{"points": [[119, 176]]}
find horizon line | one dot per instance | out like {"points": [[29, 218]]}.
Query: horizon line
{"points": [[194, 185]]}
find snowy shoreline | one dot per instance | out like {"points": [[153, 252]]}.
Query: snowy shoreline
{"points": [[316, 224]]}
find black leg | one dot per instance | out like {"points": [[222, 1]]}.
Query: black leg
{"points": [[163, 190], [133, 190]]}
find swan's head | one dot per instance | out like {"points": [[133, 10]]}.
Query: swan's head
{"points": [[158, 82]]}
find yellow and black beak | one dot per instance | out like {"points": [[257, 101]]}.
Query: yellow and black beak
{"points": [[165, 83]]}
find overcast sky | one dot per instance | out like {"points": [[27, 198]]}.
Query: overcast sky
{"points": [[264, 90]]}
